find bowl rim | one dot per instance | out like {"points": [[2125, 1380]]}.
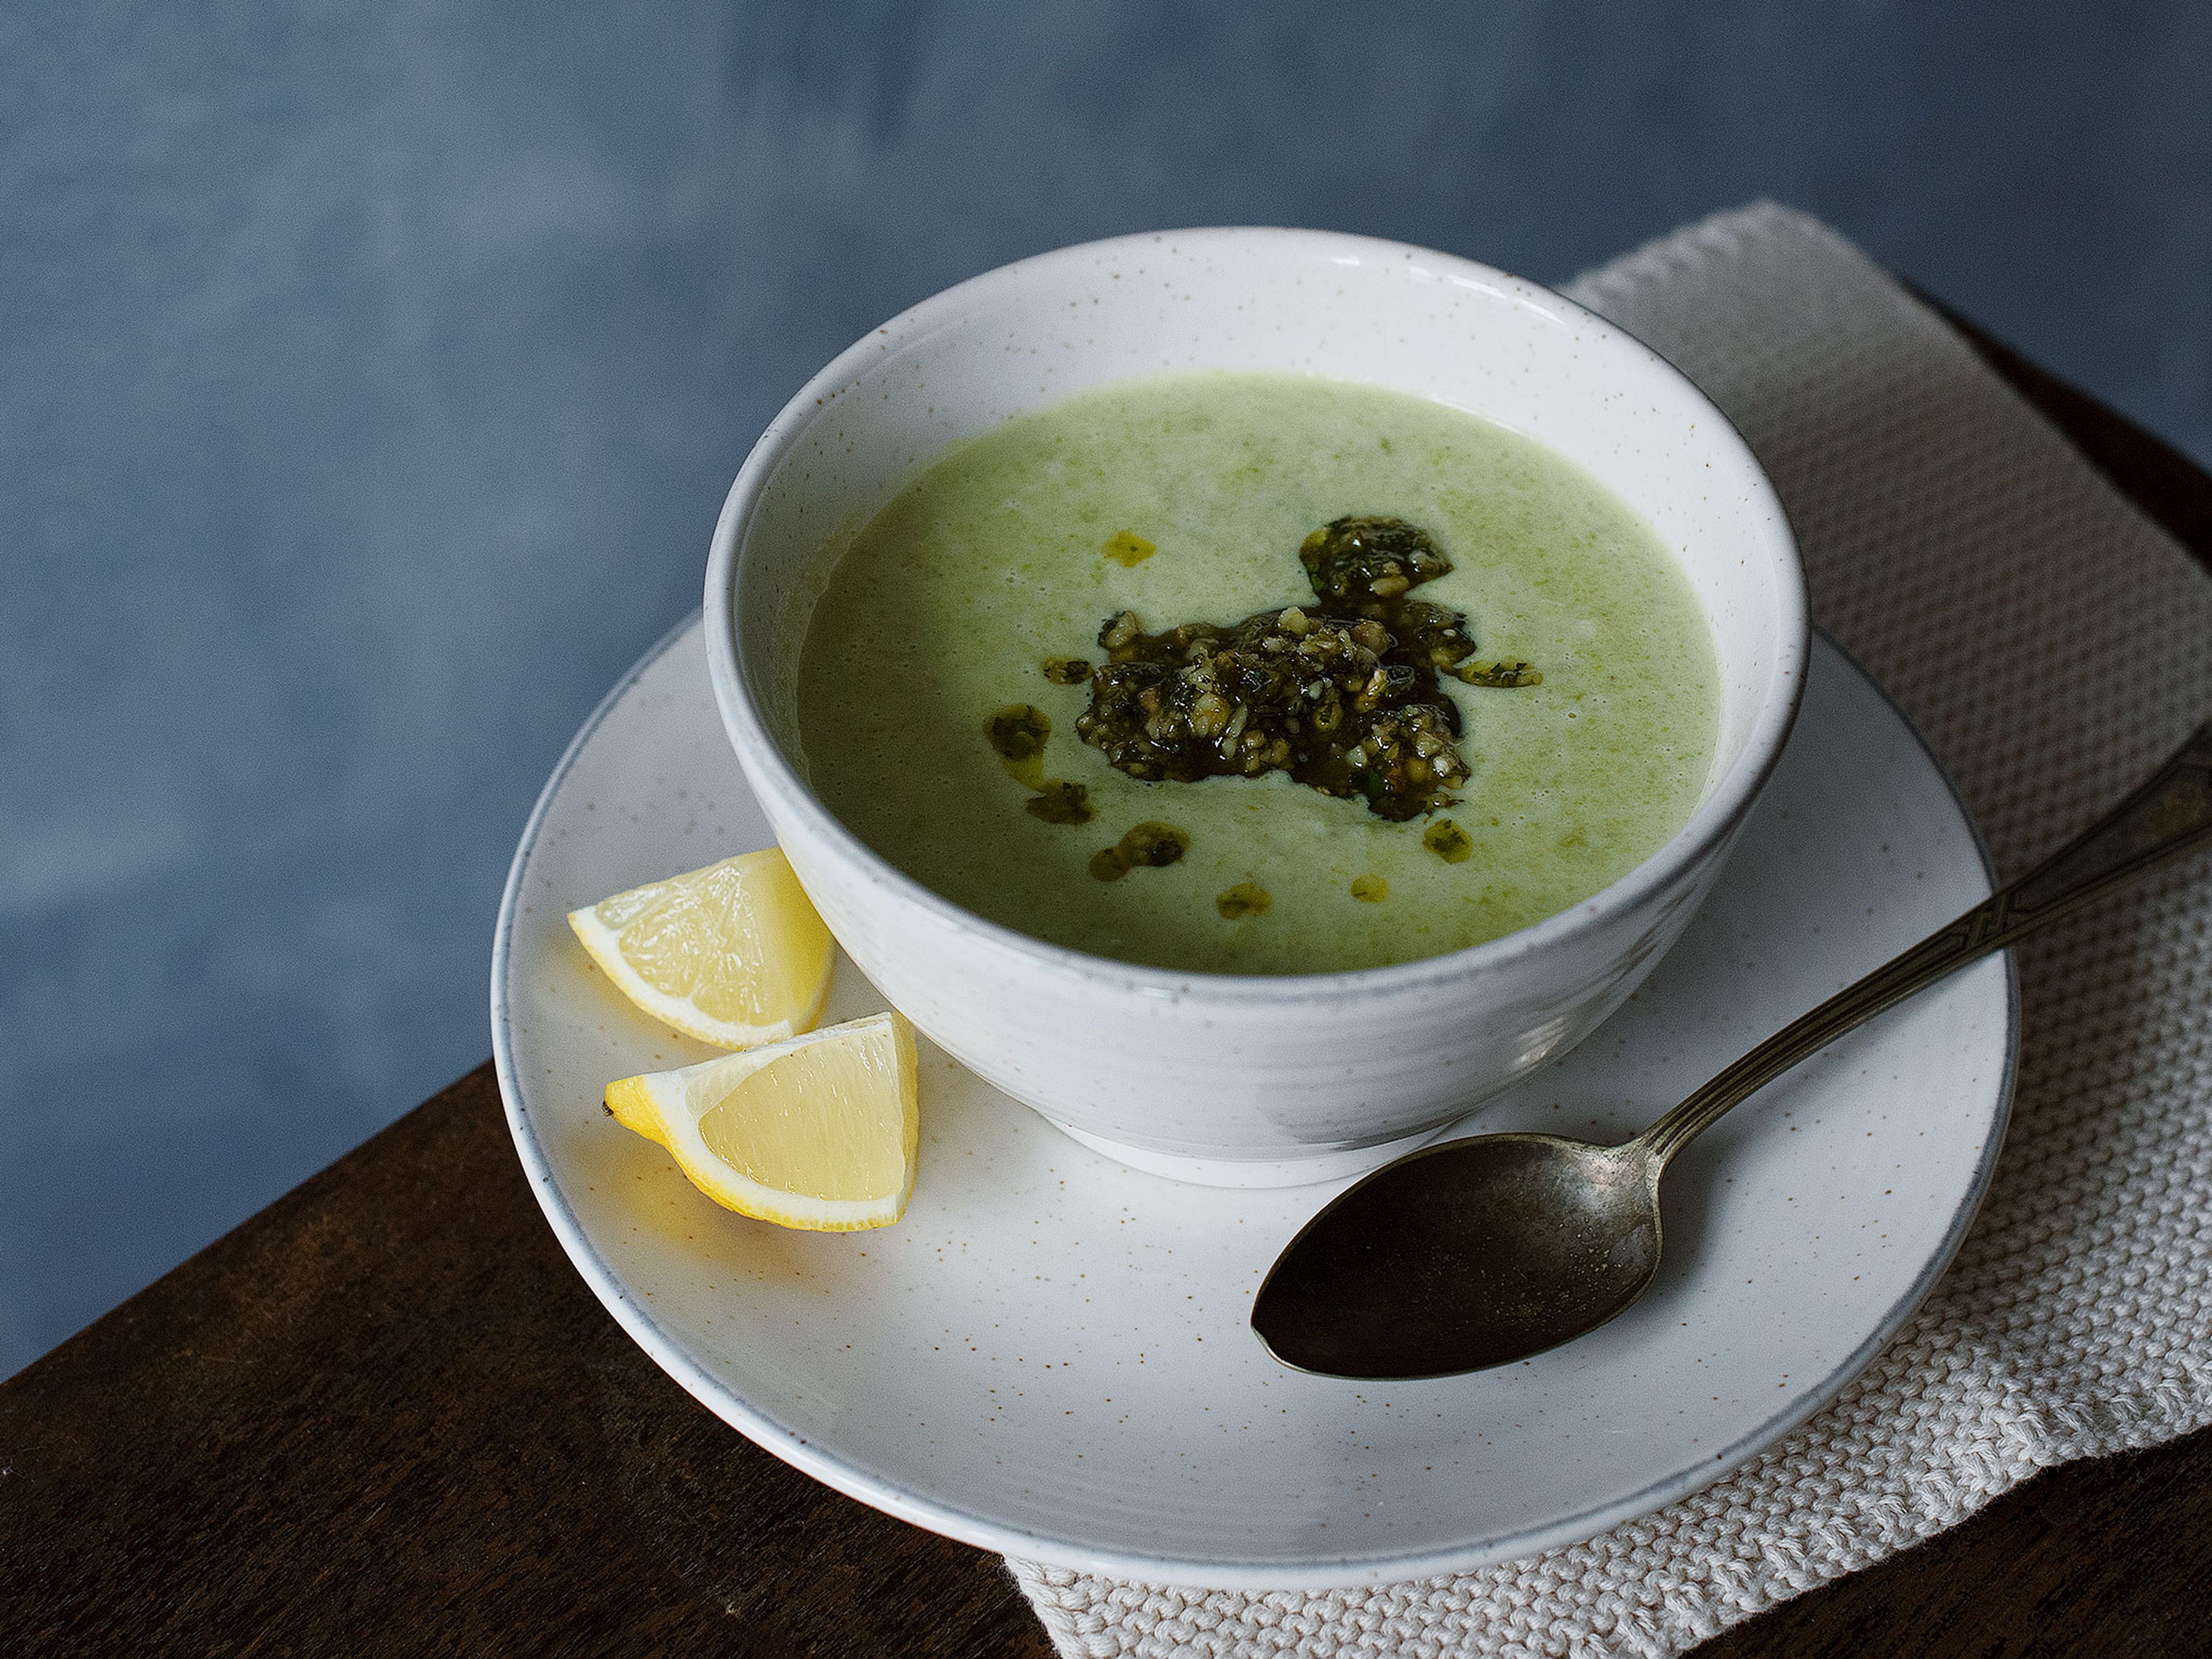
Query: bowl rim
{"points": [[1715, 819]]}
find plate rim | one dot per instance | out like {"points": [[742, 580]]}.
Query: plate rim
{"points": [[950, 1519]]}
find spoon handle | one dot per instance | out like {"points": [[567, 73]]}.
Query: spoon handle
{"points": [[2167, 818]]}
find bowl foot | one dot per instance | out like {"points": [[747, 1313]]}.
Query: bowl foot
{"points": [[1303, 1169]]}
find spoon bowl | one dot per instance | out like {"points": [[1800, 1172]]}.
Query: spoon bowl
{"points": [[1475, 1254]]}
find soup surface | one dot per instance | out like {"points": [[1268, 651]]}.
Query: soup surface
{"points": [[958, 641]]}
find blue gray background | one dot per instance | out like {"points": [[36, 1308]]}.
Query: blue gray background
{"points": [[370, 376]]}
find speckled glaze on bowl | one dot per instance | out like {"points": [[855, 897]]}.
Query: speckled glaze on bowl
{"points": [[1234, 1079]]}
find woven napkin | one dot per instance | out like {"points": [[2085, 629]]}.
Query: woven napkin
{"points": [[2052, 645]]}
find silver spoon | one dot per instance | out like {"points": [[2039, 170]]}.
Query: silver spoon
{"points": [[1480, 1252]]}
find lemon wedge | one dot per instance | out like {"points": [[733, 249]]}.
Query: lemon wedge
{"points": [[818, 1132], [734, 954]]}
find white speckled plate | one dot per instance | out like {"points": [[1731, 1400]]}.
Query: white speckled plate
{"points": [[1049, 1355]]}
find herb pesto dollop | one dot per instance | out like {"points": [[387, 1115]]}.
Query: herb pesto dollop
{"points": [[1343, 694]]}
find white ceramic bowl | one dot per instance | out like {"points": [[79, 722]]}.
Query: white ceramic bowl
{"points": [[1249, 1081]]}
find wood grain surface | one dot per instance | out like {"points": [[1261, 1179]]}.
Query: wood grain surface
{"points": [[383, 1416]]}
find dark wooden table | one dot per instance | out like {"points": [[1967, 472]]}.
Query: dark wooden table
{"points": [[383, 1416]]}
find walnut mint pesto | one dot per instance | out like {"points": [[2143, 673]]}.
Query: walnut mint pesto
{"points": [[1344, 698], [1413, 681]]}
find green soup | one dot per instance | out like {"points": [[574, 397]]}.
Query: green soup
{"points": [[1186, 498]]}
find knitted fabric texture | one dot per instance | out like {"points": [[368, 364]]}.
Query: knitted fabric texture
{"points": [[2052, 645]]}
